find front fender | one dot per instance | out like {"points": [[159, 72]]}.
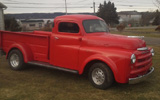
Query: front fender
{"points": [[119, 63], [25, 50], [102, 58]]}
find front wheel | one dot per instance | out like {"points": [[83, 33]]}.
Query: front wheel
{"points": [[100, 75], [15, 60]]}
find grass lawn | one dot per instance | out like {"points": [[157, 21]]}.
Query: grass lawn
{"points": [[38, 83]]}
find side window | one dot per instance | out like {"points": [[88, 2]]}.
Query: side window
{"points": [[68, 27]]}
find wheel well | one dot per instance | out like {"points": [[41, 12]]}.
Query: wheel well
{"points": [[87, 67], [11, 50]]}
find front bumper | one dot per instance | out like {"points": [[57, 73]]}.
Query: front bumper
{"points": [[141, 78]]}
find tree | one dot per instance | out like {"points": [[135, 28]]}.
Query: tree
{"points": [[11, 24], [146, 18], [157, 3], [107, 11], [157, 18]]}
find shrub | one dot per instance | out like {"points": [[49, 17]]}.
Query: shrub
{"points": [[11, 24], [158, 28], [120, 27], [47, 29]]}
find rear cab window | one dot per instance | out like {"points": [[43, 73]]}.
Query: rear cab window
{"points": [[68, 27]]}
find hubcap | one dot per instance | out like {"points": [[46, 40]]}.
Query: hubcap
{"points": [[14, 60], [98, 76]]}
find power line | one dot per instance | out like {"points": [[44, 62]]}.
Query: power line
{"points": [[66, 6], [45, 7], [83, 4], [81, 1], [125, 4], [74, 7], [17, 2], [32, 3]]}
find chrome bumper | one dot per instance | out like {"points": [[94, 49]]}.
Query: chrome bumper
{"points": [[140, 78]]}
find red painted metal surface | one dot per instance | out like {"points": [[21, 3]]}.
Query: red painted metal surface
{"points": [[75, 51], [0, 40]]}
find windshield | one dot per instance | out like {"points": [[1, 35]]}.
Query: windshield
{"points": [[92, 26]]}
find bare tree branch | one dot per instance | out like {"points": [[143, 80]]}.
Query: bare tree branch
{"points": [[157, 3]]}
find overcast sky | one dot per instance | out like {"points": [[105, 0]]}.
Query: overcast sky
{"points": [[51, 6]]}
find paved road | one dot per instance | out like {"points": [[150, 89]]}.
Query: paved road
{"points": [[147, 27], [152, 41]]}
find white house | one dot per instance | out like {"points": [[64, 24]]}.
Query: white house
{"points": [[2, 7], [126, 16], [31, 24]]}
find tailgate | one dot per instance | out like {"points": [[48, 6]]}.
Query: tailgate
{"points": [[0, 43], [1, 50]]}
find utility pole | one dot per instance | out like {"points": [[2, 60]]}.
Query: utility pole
{"points": [[66, 6], [94, 8]]}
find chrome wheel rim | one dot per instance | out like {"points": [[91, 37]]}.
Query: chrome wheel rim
{"points": [[14, 60], [98, 76]]}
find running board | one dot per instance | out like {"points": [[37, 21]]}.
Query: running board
{"points": [[51, 66]]}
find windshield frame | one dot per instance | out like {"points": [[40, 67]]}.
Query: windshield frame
{"points": [[107, 28]]}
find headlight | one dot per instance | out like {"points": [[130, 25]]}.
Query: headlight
{"points": [[133, 58], [152, 51]]}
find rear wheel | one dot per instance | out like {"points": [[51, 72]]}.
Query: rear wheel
{"points": [[15, 60], [101, 76]]}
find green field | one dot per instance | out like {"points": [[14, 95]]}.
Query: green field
{"points": [[38, 83]]}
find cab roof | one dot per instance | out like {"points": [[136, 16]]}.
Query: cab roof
{"points": [[77, 17]]}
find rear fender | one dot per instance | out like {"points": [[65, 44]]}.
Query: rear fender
{"points": [[26, 51]]}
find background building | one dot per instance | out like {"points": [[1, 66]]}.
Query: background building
{"points": [[2, 7], [32, 24], [130, 17], [37, 21]]}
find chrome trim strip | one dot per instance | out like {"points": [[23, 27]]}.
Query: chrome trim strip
{"points": [[140, 37], [53, 67], [141, 78], [142, 49]]}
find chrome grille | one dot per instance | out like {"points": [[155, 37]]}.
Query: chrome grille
{"points": [[143, 60]]}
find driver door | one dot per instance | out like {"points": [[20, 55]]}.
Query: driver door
{"points": [[66, 45]]}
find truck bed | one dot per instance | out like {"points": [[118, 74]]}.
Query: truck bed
{"points": [[37, 42]]}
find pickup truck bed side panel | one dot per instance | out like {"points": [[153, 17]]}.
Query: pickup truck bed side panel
{"points": [[0, 40], [38, 44]]}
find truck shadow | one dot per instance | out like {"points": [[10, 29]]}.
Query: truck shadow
{"points": [[62, 76], [127, 88], [53, 72], [83, 79]]}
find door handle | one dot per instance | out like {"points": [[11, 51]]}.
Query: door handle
{"points": [[57, 38]]}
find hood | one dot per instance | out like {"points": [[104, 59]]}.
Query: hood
{"points": [[112, 40]]}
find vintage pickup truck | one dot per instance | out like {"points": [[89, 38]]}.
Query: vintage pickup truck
{"points": [[81, 44]]}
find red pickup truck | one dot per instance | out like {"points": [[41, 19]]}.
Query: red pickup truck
{"points": [[81, 44]]}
